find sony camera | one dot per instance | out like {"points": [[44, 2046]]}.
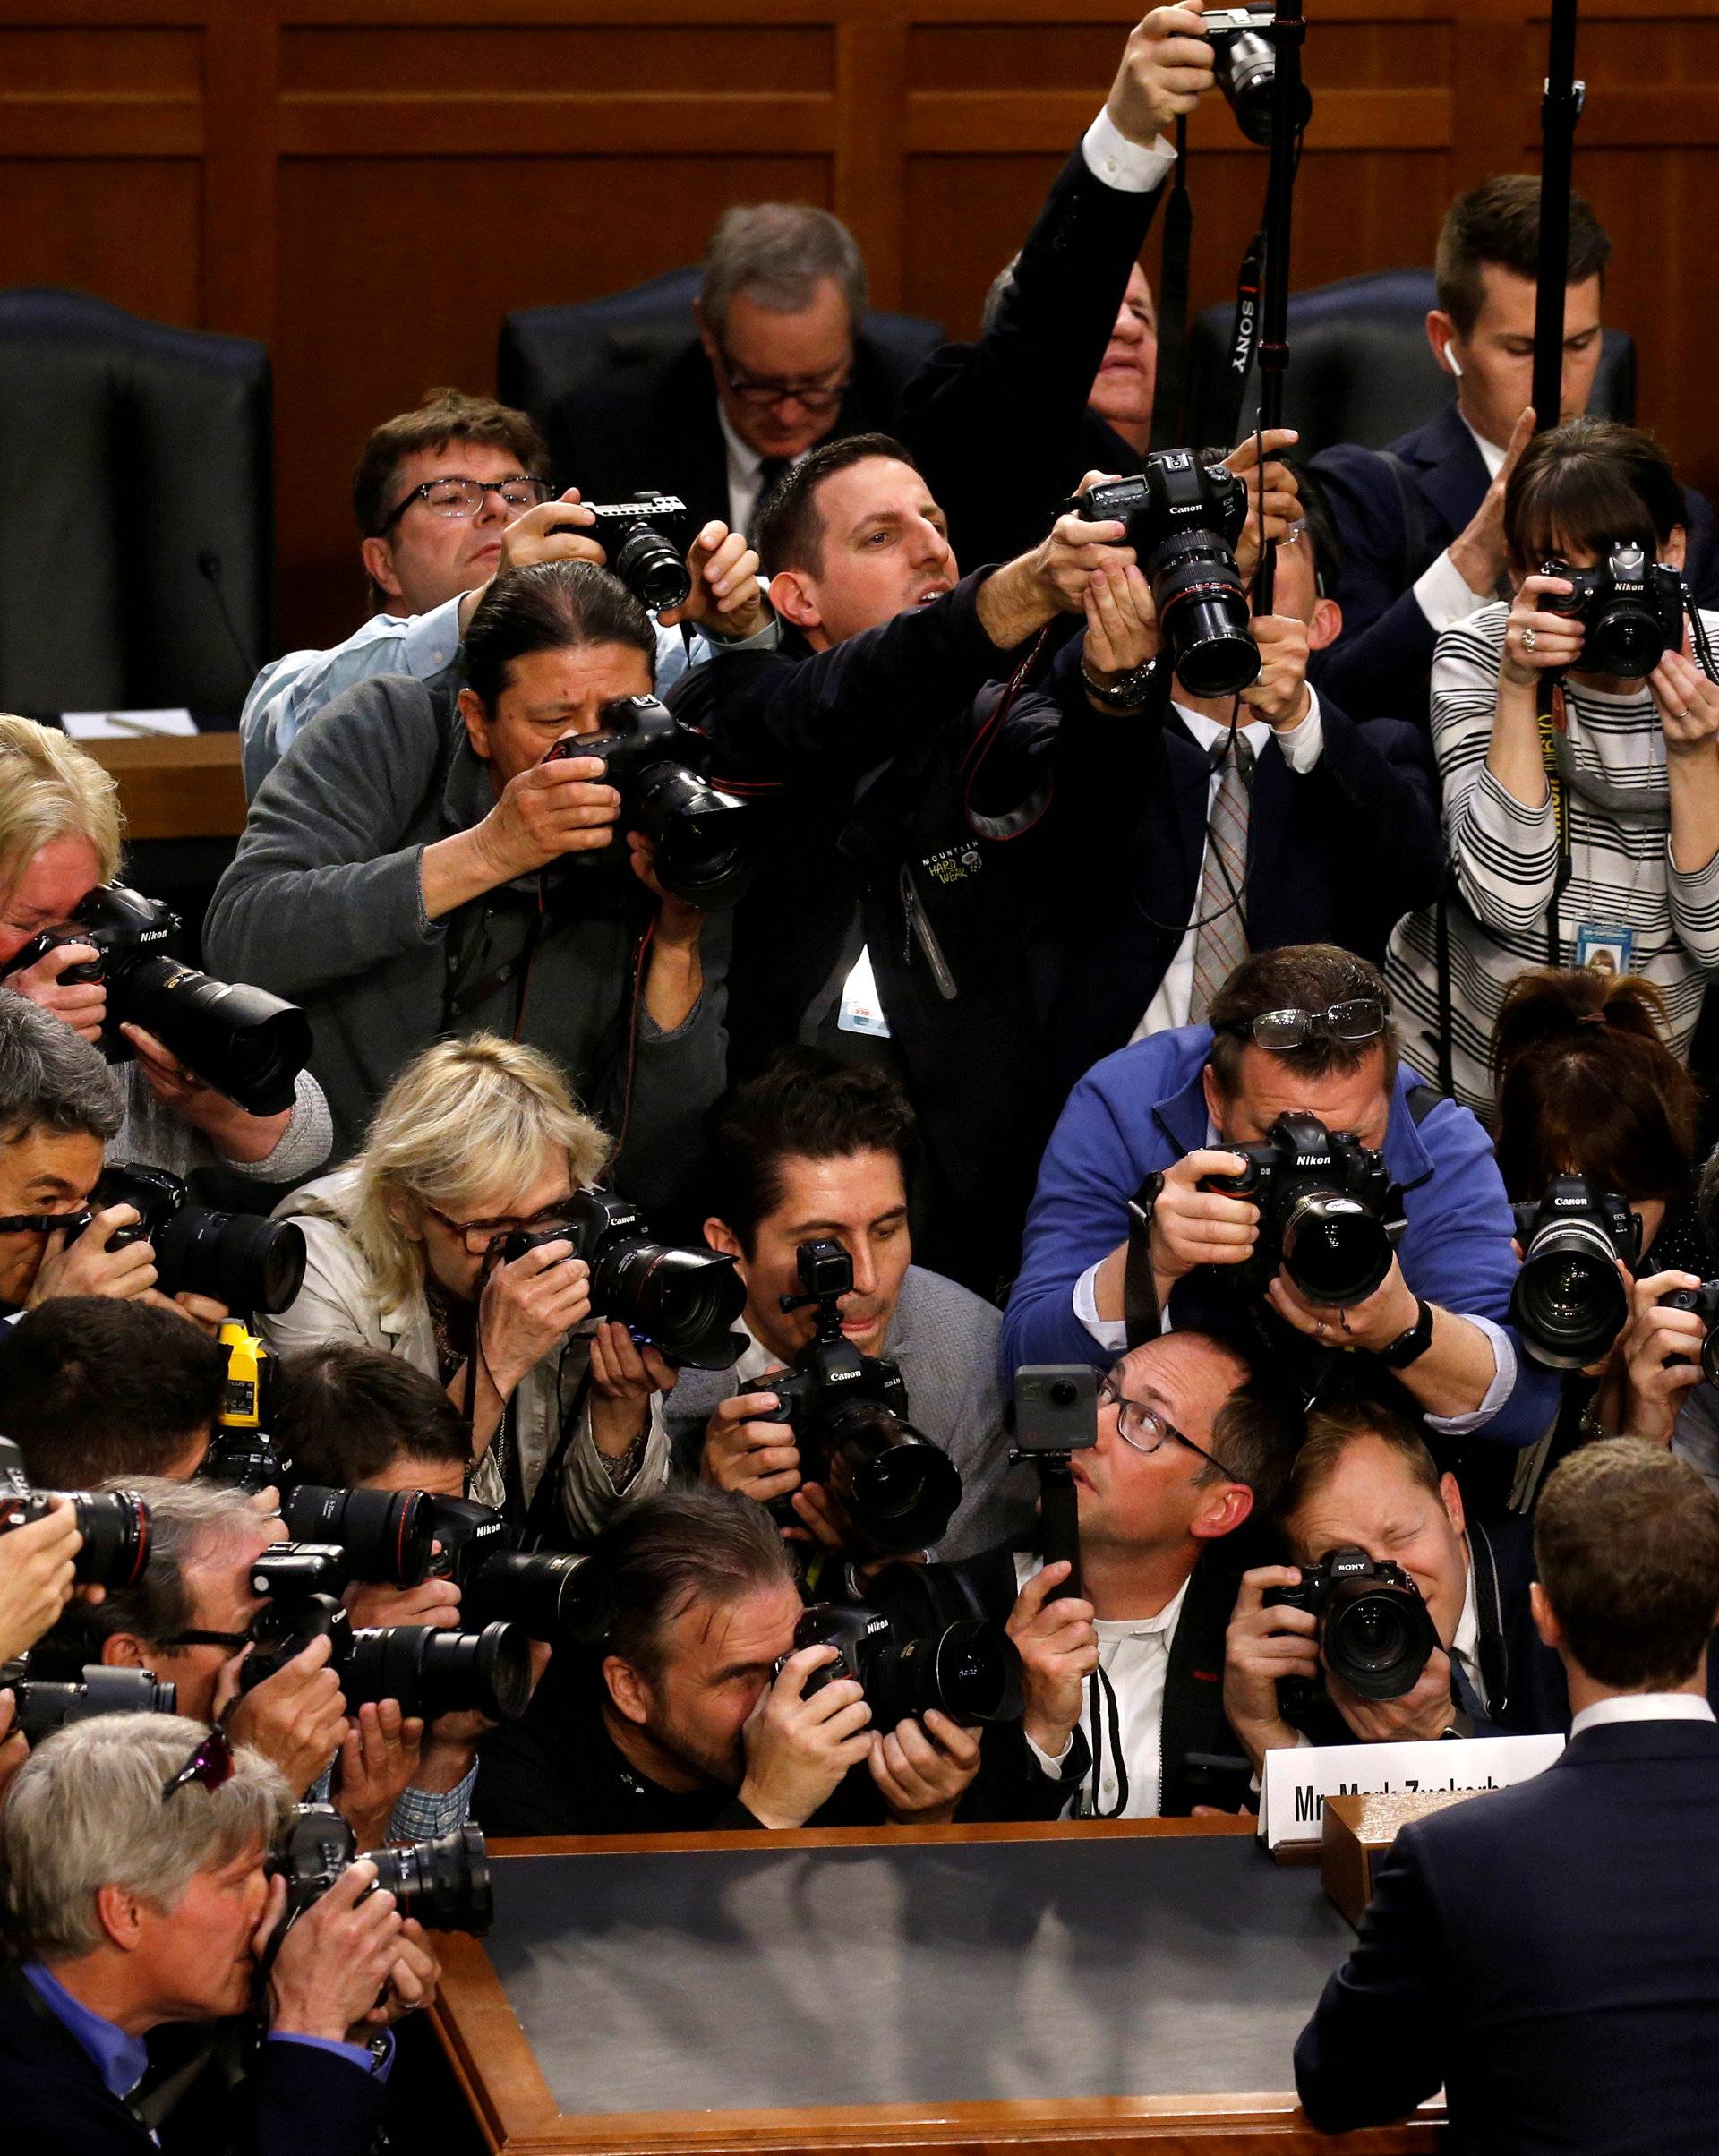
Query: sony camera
{"points": [[1570, 1303], [682, 1300], [40, 1706], [909, 1659], [244, 1042], [1329, 1213], [660, 769], [848, 1412], [430, 1670], [241, 1259], [1705, 1302], [1246, 61], [444, 1883], [640, 552], [1630, 608], [1185, 513], [114, 1524], [1376, 1632]]}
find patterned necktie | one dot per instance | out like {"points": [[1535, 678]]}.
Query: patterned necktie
{"points": [[1220, 938], [770, 470]]}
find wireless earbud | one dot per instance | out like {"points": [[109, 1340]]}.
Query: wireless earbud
{"points": [[1453, 361]]}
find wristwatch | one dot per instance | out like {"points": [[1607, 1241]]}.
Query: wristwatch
{"points": [[1130, 692], [1410, 1345]]}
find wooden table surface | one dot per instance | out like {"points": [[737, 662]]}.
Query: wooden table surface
{"points": [[176, 785]]}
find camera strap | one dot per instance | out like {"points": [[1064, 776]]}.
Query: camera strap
{"points": [[542, 1507], [1550, 717], [1143, 1319], [1170, 395], [1103, 1708]]}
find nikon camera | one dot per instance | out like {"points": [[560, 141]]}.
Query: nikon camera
{"points": [[1376, 1632], [444, 1883], [1570, 1303], [42, 1704], [917, 1641], [1329, 1213], [1630, 608]]}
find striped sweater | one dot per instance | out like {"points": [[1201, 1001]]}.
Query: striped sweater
{"points": [[1505, 858]]}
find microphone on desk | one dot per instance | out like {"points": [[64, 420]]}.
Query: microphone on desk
{"points": [[211, 569]]}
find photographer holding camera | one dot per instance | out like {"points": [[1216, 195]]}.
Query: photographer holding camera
{"points": [[1590, 833], [136, 1896], [1305, 1033], [415, 871], [1468, 1661]]}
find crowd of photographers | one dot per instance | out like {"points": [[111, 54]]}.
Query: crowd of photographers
{"points": [[928, 1160]]}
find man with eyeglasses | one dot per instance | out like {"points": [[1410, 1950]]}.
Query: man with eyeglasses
{"points": [[1121, 1238]]}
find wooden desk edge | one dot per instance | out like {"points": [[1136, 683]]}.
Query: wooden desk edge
{"points": [[759, 1840]]}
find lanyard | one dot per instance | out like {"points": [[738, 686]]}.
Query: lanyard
{"points": [[1549, 718]]}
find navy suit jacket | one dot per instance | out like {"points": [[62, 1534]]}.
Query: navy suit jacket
{"points": [[1380, 665], [1548, 1953]]}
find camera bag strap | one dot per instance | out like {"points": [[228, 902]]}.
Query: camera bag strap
{"points": [[541, 1510], [1143, 1319]]}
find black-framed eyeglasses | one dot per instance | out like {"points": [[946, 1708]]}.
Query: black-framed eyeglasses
{"points": [[761, 391], [457, 498], [1145, 1431], [45, 1224], [230, 1643], [209, 1766], [1362, 1018], [476, 1235]]}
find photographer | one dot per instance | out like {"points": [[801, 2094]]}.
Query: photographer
{"points": [[414, 871], [1306, 1028], [814, 1149], [1364, 1480], [1669, 1395], [59, 840], [36, 1580], [476, 1140], [136, 1896], [97, 1390], [684, 1720], [1613, 851], [448, 496]]}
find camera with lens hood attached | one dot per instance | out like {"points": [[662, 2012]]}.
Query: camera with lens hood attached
{"points": [[1569, 1302], [1705, 1302], [444, 1883], [240, 1259], [1376, 1632], [1329, 1213], [912, 1645], [1630, 608], [114, 1524], [635, 537], [40, 1705]]}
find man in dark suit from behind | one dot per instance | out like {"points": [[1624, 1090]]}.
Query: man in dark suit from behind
{"points": [[777, 364], [1548, 1951]]}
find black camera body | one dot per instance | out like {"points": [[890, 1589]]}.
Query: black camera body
{"points": [[1570, 1303], [908, 1660], [42, 1705], [1630, 608], [551, 1595], [1184, 512], [848, 1412], [244, 1042], [1245, 63], [682, 1300], [1375, 1631], [1329, 1213], [636, 536], [443, 1883], [114, 1524], [1705, 1302], [1055, 1416], [241, 1259]]}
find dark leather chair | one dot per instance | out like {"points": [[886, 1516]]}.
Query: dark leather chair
{"points": [[136, 510], [544, 352], [1360, 367]]}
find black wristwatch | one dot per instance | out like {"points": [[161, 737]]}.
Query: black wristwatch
{"points": [[1409, 1347]]}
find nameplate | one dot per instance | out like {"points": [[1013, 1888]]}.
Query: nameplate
{"points": [[1296, 1784]]}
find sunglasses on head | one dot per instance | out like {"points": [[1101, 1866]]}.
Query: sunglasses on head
{"points": [[209, 1766], [1362, 1018]]}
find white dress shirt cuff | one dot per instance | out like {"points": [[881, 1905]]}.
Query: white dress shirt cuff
{"points": [[1444, 598], [1109, 1332], [1500, 1388], [1112, 157], [1051, 1765], [1302, 743]]}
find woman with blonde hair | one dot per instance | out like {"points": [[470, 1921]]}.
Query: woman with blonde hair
{"points": [[475, 1139]]}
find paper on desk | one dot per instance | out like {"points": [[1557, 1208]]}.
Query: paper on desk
{"points": [[123, 725], [1298, 1779]]}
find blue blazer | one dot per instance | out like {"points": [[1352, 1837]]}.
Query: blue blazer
{"points": [[1548, 1953], [1380, 666], [1144, 1109]]}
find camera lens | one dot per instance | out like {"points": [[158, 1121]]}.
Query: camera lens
{"points": [[650, 569], [432, 1672], [899, 1489], [970, 1671], [241, 1259], [697, 833], [386, 1534], [558, 1599], [444, 1883], [1334, 1249], [1197, 591], [1569, 1301], [1625, 640], [1377, 1639], [116, 1529], [244, 1042], [684, 1300], [1247, 75], [42, 1708]]}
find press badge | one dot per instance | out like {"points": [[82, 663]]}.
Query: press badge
{"points": [[862, 1008], [1605, 947]]}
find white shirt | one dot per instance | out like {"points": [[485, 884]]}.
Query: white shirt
{"points": [[1642, 1706], [1301, 745], [1439, 590], [744, 463], [1134, 1655], [1464, 1648]]}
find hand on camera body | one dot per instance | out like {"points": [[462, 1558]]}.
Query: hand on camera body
{"points": [[1263, 1647], [530, 1304], [1167, 68], [798, 1750], [923, 1767], [298, 1717], [758, 1459], [1192, 1227], [1276, 482], [87, 1266], [36, 1563], [378, 1763], [336, 1960], [1557, 639], [1058, 1645], [1661, 1356], [81, 1004], [625, 1377], [551, 809]]}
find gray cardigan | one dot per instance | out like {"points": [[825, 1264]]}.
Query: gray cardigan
{"points": [[948, 1342], [323, 903]]}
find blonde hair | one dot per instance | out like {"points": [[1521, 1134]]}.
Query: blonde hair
{"points": [[50, 789], [463, 1117]]}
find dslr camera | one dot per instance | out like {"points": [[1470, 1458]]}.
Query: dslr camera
{"points": [[242, 1448], [1329, 1213], [1376, 1632], [40, 1706], [661, 769], [430, 1670], [444, 1883], [1630, 608], [114, 1524], [1246, 61], [913, 1645], [1185, 513], [244, 1042], [241, 1259], [1570, 1303], [848, 1412], [682, 1300], [648, 561], [1705, 1302]]}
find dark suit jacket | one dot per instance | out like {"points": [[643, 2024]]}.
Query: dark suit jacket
{"points": [[655, 426], [1391, 527], [1001, 428], [1548, 1953]]}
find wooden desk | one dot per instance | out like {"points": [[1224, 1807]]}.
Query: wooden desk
{"points": [[176, 786], [732, 1967]]}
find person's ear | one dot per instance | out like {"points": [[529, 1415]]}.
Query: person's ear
{"points": [[628, 1689], [707, 335], [722, 1237], [1326, 626], [1677, 547], [795, 599], [472, 710], [120, 1914], [1451, 1491], [1225, 1506], [1441, 333], [1546, 1617], [378, 558], [405, 1216], [1217, 1107], [126, 1651]]}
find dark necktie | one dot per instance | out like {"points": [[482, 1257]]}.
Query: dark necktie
{"points": [[1463, 1692], [770, 470]]}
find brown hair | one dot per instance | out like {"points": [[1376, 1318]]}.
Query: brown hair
{"points": [[679, 1547], [1332, 1430], [1298, 977], [1626, 1543], [1498, 222], [1585, 484], [790, 531], [443, 416], [549, 606], [1587, 1085]]}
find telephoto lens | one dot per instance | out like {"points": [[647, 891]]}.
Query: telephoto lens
{"points": [[1197, 590], [558, 1599], [899, 1489], [432, 1671], [970, 1670], [240, 1259], [443, 1883], [386, 1535], [114, 1524], [1569, 1302], [41, 1707]]}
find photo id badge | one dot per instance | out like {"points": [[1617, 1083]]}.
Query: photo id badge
{"points": [[1604, 947], [862, 1008]]}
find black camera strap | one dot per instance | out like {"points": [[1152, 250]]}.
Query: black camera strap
{"points": [[1143, 1319], [1103, 1708], [1549, 717], [541, 1510]]}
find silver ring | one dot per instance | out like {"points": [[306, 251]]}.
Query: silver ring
{"points": [[1528, 639], [1688, 711]]}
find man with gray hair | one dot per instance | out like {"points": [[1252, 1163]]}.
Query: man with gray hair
{"points": [[135, 1895], [779, 363]]}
